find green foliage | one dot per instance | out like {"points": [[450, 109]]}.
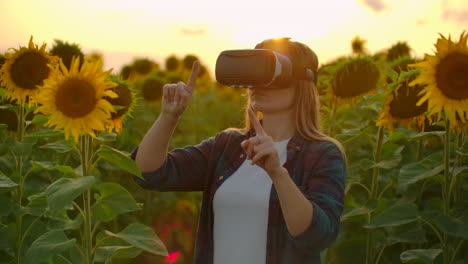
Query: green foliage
{"points": [[402, 204]]}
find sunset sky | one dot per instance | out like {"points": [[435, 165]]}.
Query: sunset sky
{"points": [[123, 30]]}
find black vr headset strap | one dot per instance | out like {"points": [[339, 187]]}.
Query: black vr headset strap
{"points": [[307, 74]]}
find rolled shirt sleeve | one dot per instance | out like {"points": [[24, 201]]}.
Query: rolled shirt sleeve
{"points": [[185, 169], [324, 189]]}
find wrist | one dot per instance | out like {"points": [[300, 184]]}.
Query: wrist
{"points": [[278, 173], [169, 118]]}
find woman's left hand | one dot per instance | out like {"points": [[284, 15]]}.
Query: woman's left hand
{"points": [[261, 148]]}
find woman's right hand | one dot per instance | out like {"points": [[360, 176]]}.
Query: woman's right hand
{"points": [[176, 96]]}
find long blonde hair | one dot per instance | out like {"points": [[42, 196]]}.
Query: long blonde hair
{"points": [[307, 103]]}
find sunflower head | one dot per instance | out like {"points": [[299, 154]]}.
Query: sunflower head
{"points": [[25, 69], [7, 115], [74, 99], [126, 71], [401, 103], [126, 102], [95, 58], [66, 52], [188, 62], [2, 60], [357, 45], [202, 72], [144, 66], [354, 77], [445, 75], [151, 88], [400, 49], [172, 63]]}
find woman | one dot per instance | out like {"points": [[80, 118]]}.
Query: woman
{"points": [[273, 192]]}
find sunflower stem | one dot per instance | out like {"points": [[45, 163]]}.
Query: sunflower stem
{"points": [[374, 191], [84, 151], [446, 187], [419, 149], [447, 177], [19, 189], [457, 248], [333, 116], [458, 160], [377, 157]]}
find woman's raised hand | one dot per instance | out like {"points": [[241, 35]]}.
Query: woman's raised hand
{"points": [[261, 149], [176, 96]]}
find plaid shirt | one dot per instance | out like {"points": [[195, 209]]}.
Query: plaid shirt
{"points": [[317, 167]]}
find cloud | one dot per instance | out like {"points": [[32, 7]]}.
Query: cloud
{"points": [[193, 31], [455, 10], [459, 16], [376, 5]]}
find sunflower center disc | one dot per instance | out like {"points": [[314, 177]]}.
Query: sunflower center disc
{"points": [[75, 98], [404, 104], [29, 69], [452, 76], [152, 89], [124, 100]]}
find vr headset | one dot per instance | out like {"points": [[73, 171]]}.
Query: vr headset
{"points": [[250, 68]]}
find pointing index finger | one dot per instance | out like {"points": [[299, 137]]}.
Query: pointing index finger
{"points": [[193, 76], [256, 124]]}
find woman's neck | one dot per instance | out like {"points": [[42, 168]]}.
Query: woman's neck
{"points": [[279, 125]]}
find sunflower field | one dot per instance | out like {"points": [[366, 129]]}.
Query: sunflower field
{"points": [[67, 127]]}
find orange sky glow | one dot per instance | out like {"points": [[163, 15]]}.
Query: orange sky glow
{"points": [[123, 30]]}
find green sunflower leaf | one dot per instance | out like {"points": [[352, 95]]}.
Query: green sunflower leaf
{"points": [[113, 201], [45, 133], [61, 146], [422, 135], [398, 214], [142, 237], [414, 172], [107, 136], [48, 245], [426, 256], [392, 74], [39, 119], [6, 182], [119, 159], [457, 227], [63, 191]]}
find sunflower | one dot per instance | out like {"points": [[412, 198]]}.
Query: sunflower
{"points": [[126, 72], [188, 61], [354, 77], [357, 45], [74, 99], [151, 88], [66, 51], [2, 60], [144, 66], [401, 103], [400, 49], [25, 69], [96, 58], [126, 103], [446, 77], [172, 63]]}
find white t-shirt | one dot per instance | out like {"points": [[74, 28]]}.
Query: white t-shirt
{"points": [[240, 207]]}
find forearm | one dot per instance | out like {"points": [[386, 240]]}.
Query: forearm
{"points": [[297, 210], [153, 148]]}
